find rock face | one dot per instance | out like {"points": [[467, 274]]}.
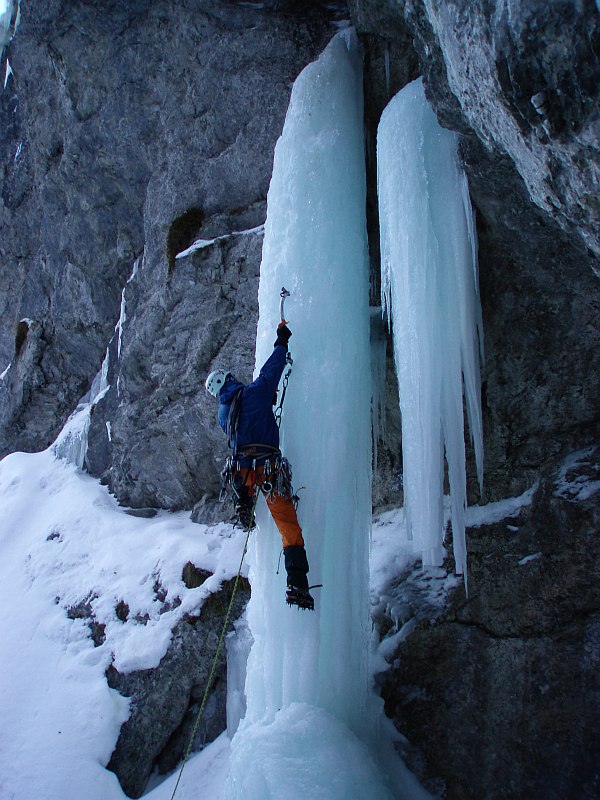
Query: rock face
{"points": [[524, 79], [166, 701], [499, 697], [164, 448], [130, 131], [137, 128]]}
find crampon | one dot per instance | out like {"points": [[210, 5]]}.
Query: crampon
{"points": [[299, 597]]}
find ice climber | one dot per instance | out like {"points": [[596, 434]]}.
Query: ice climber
{"points": [[246, 416]]}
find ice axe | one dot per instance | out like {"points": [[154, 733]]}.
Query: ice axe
{"points": [[283, 294]]}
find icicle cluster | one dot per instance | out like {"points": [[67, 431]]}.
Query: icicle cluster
{"points": [[430, 294]]}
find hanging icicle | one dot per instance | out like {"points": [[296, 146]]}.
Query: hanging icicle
{"points": [[430, 293]]}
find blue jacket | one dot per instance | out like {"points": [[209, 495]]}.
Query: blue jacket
{"points": [[256, 423]]}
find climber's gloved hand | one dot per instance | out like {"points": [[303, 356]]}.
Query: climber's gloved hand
{"points": [[283, 335]]}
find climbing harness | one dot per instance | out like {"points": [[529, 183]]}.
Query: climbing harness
{"points": [[270, 472], [216, 658]]}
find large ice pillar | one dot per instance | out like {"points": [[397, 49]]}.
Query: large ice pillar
{"points": [[315, 245], [10, 11], [430, 291], [307, 674]]}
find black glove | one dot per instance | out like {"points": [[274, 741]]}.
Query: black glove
{"points": [[283, 335]]}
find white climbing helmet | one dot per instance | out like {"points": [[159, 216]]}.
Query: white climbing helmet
{"points": [[216, 381]]}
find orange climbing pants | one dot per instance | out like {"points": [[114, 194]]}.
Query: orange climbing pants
{"points": [[281, 507]]}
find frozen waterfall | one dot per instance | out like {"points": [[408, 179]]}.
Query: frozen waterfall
{"points": [[430, 292], [71, 444], [310, 713]]}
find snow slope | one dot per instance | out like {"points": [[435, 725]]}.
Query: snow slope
{"points": [[63, 539], [65, 544]]}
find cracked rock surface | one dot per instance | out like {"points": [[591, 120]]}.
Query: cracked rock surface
{"points": [[133, 129], [524, 79], [499, 695], [165, 701]]}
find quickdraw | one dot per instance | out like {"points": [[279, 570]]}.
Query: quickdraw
{"points": [[273, 477]]}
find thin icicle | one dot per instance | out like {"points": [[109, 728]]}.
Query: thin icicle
{"points": [[9, 22], [134, 271], [8, 73], [121, 323], [123, 315]]}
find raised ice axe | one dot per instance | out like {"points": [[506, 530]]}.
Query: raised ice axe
{"points": [[283, 294]]}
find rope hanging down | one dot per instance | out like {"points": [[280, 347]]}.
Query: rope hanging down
{"points": [[278, 412], [218, 652]]}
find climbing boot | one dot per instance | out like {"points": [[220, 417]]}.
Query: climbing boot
{"points": [[296, 566], [299, 597]]}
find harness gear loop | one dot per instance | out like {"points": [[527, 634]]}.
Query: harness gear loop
{"points": [[216, 658]]}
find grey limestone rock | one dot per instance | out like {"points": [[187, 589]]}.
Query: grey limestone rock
{"points": [[186, 315], [524, 79], [165, 448], [134, 128], [499, 694], [165, 701]]}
